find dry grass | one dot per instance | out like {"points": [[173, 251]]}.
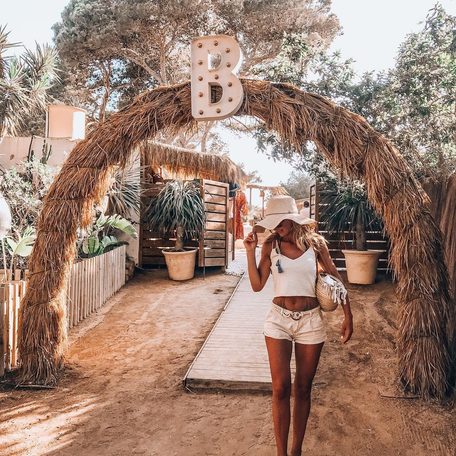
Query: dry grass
{"points": [[343, 138], [188, 163]]}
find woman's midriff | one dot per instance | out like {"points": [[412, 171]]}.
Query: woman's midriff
{"points": [[296, 303]]}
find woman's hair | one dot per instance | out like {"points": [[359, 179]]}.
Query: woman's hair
{"points": [[303, 236]]}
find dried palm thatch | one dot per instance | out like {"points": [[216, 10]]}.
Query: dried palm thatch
{"points": [[188, 163], [442, 193], [343, 138]]}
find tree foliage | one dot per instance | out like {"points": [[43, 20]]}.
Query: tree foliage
{"points": [[298, 184], [115, 49], [24, 87], [413, 104]]}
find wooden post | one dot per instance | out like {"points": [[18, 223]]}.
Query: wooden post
{"points": [[234, 227], [262, 203], [2, 330]]}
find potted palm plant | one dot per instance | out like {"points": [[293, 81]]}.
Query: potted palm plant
{"points": [[347, 209], [178, 208]]}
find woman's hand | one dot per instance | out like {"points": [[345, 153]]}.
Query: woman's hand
{"points": [[251, 242], [346, 330]]}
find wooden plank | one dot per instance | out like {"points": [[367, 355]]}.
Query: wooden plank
{"points": [[209, 234], [216, 217], [2, 330], [213, 182], [153, 261], [100, 283], [9, 275], [215, 253], [154, 243], [234, 355], [215, 199], [338, 254], [370, 235], [9, 324], [73, 295], [15, 307], [76, 294], [93, 281], [210, 207], [70, 300], [214, 261], [141, 237], [152, 252], [215, 190], [79, 296], [215, 243], [82, 271], [217, 226]]}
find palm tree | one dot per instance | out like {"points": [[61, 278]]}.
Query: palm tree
{"points": [[24, 83]]}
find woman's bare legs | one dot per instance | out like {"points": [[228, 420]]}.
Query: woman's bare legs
{"points": [[307, 357], [279, 352]]}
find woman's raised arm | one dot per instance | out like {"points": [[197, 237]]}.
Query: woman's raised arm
{"points": [[258, 275]]}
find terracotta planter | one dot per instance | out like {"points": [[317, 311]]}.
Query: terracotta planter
{"points": [[181, 265], [361, 265]]}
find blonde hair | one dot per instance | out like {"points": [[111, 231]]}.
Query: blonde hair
{"points": [[304, 236]]}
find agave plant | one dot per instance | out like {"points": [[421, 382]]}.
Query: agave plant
{"points": [[178, 207], [348, 209]]}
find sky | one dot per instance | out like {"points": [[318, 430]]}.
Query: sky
{"points": [[372, 33]]}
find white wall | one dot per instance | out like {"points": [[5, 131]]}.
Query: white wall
{"points": [[15, 149]]}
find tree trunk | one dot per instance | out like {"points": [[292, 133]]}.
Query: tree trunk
{"points": [[106, 70], [179, 238], [206, 132], [360, 233]]}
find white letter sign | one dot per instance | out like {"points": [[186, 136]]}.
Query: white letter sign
{"points": [[204, 78]]}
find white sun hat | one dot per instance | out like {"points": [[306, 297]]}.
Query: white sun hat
{"points": [[278, 208]]}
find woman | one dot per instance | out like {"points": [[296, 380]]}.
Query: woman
{"points": [[292, 254]]}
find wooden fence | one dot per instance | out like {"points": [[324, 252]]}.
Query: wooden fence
{"points": [[11, 296], [91, 283], [213, 245], [338, 242]]}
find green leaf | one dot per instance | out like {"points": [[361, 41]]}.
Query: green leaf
{"points": [[91, 245]]}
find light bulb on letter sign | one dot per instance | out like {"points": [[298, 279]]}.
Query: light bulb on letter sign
{"points": [[204, 78]]}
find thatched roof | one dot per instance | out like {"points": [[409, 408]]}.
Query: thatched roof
{"points": [[189, 163], [345, 139]]}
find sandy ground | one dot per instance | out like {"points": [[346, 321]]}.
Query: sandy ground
{"points": [[123, 393]]}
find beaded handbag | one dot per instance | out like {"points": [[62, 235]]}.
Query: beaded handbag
{"points": [[330, 291]]}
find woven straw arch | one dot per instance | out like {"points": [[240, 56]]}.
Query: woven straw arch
{"points": [[343, 138]]}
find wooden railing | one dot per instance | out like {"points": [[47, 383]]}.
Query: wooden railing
{"points": [[91, 283], [11, 295]]}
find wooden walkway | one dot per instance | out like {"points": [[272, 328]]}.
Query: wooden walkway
{"points": [[234, 355]]}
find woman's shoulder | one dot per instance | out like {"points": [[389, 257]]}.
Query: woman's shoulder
{"points": [[319, 242]]}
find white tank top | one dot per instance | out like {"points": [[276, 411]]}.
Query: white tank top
{"points": [[298, 276]]}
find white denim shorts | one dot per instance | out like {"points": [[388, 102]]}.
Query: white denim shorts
{"points": [[305, 327]]}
